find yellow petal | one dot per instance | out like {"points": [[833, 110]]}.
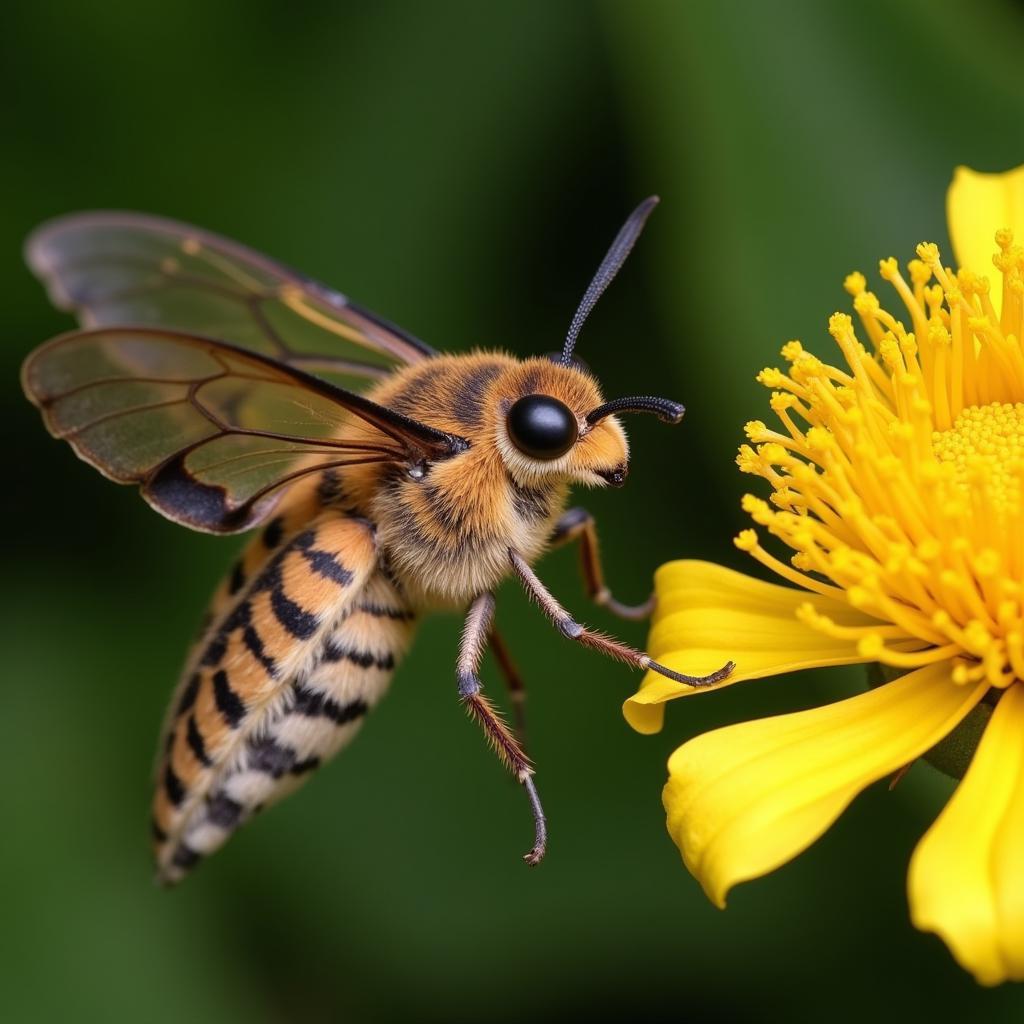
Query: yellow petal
{"points": [[977, 206], [707, 615], [967, 874], [744, 799]]}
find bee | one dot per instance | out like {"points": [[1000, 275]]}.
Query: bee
{"points": [[386, 479]]}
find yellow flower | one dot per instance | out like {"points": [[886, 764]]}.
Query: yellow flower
{"points": [[897, 480]]}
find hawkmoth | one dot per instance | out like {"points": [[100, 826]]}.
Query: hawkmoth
{"points": [[386, 480]]}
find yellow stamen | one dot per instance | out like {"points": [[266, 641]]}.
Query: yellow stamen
{"points": [[906, 485]]}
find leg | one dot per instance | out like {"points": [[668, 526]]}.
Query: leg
{"points": [[570, 628], [474, 639], [578, 524], [513, 682]]}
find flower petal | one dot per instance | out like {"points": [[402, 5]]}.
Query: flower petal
{"points": [[977, 206], [707, 615], [744, 799], [967, 874]]}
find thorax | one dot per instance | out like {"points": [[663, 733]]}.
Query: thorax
{"points": [[444, 535], [447, 537]]}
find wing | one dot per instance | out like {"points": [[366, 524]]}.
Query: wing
{"points": [[134, 269], [210, 431]]}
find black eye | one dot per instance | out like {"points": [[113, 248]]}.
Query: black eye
{"points": [[542, 427]]}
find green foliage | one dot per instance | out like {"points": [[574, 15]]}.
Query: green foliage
{"points": [[460, 168]]}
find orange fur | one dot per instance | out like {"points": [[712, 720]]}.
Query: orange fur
{"points": [[448, 535], [441, 538]]}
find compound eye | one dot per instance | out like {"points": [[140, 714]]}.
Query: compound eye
{"points": [[542, 427]]}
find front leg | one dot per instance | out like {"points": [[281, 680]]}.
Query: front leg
{"points": [[570, 628], [474, 640], [578, 524]]}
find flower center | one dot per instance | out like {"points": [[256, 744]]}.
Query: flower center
{"points": [[898, 478], [985, 447]]}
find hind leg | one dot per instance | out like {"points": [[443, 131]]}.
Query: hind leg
{"points": [[474, 640]]}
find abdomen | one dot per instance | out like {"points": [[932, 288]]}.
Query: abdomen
{"points": [[280, 683]]}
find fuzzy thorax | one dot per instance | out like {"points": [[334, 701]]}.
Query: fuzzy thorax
{"points": [[446, 533]]}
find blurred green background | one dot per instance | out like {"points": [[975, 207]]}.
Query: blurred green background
{"points": [[461, 167]]}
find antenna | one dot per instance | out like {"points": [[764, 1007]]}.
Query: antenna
{"points": [[666, 410], [609, 267]]}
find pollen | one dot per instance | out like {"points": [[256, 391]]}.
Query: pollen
{"points": [[985, 447], [897, 470]]}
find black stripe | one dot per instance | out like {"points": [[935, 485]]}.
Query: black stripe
{"points": [[329, 491], [301, 767], [237, 579], [214, 653], [322, 562], [254, 645], [449, 518], [530, 503], [188, 695], [531, 382], [314, 704], [229, 704], [196, 742], [418, 390], [172, 784], [381, 612], [267, 756], [293, 617], [273, 533], [333, 651], [159, 835], [221, 810], [241, 615], [468, 406], [386, 570]]}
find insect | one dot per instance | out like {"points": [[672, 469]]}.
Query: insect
{"points": [[387, 479]]}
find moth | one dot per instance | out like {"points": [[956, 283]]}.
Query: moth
{"points": [[387, 480]]}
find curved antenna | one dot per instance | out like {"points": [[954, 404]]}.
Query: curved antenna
{"points": [[666, 410], [609, 267]]}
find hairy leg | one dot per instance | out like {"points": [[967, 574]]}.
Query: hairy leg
{"points": [[570, 628], [474, 640]]}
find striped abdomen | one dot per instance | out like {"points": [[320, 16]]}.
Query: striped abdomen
{"points": [[279, 683]]}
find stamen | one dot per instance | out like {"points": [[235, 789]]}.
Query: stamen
{"points": [[747, 541], [906, 486], [809, 615], [873, 647]]}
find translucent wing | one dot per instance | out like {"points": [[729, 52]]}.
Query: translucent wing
{"points": [[133, 269], [210, 431]]}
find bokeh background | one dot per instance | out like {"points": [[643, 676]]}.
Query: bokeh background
{"points": [[461, 167]]}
